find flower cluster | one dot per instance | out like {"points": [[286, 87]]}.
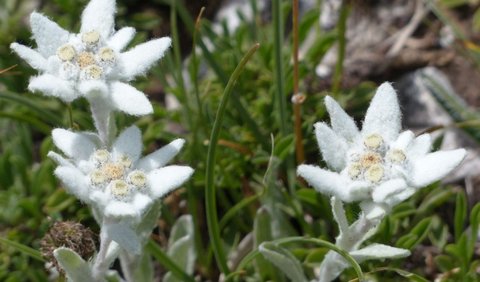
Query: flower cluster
{"points": [[116, 180], [91, 63], [378, 165], [105, 172]]}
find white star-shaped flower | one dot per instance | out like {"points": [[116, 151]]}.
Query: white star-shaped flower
{"points": [[378, 165], [116, 181], [91, 63]]}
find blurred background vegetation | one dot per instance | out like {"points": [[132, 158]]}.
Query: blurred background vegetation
{"points": [[257, 194]]}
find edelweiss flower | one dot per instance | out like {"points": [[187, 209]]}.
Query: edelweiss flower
{"points": [[116, 181], [91, 63], [377, 165]]}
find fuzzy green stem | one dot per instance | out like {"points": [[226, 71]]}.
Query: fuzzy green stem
{"points": [[100, 266], [101, 114], [128, 267], [350, 239]]}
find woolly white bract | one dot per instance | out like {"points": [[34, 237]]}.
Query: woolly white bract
{"points": [[378, 165], [115, 181], [91, 63]]}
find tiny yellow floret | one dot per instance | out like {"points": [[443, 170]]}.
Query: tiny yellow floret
{"points": [[369, 159], [119, 188], [101, 156], [354, 170], [113, 171], [106, 55], [125, 161], [85, 59], [396, 156], [374, 173], [137, 178], [373, 141], [91, 37], [94, 72], [66, 53], [97, 177]]}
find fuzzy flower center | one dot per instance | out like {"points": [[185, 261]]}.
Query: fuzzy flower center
{"points": [[114, 175], [375, 162], [119, 188], [373, 141], [91, 37], [86, 59]]}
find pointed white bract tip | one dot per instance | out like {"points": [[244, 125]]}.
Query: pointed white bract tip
{"points": [[35, 16], [162, 156], [50, 85], [379, 251], [133, 132], [121, 38], [404, 140], [387, 93], [331, 183], [165, 43], [461, 153], [340, 121], [160, 47], [61, 161], [129, 143], [58, 135], [376, 212], [99, 15], [332, 146], [318, 124], [435, 166], [141, 58], [74, 145], [32, 57], [178, 143], [386, 88], [330, 103], [129, 100], [383, 115], [301, 169], [421, 145], [166, 179]]}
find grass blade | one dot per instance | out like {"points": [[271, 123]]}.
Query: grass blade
{"points": [[210, 200], [160, 255], [278, 63], [42, 113], [342, 44], [23, 248]]}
